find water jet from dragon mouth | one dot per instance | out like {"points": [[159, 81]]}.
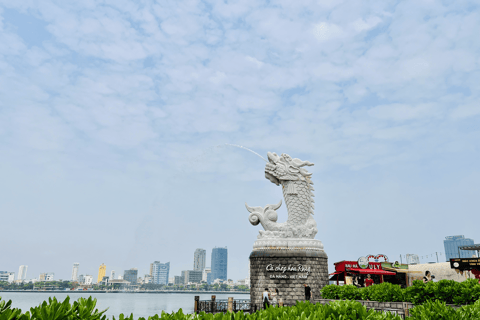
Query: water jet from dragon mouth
{"points": [[242, 147]]}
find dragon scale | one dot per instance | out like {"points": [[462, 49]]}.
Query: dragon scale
{"points": [[300, 204]]}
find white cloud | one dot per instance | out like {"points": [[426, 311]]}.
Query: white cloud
{"points": [[124, 92], [325, 31]]}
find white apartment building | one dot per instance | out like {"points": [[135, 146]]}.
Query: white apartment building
{"points": [[88, 279], [112, 275], [7, 276]]}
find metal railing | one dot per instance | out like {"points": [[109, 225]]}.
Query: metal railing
{"points": [[245, 305]]}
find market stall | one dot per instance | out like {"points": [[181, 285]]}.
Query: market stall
{"points": [[346, 270], [355, 272]]}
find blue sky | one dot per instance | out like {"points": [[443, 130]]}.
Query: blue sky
{"points": [[115, 115]]}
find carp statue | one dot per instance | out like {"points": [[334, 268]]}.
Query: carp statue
{"points": [[299, 231]]}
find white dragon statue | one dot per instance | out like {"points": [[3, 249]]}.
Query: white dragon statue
{"points": [[298, 193]]}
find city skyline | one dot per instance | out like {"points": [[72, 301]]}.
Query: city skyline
{"points": [[137, 120], [157, 269], [159, 272]]}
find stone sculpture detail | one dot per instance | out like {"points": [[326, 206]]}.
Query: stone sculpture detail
{"points": [[300, 227]]}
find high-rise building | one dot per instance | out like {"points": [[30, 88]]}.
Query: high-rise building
{"points": [[452, 243], [81, 279], [75, 271], [88, 279], [112, 275], [131, 275], [219, 263], [151, 269], [160, 272], [22, 272], [191, 276], [101, 272], [412, 258], [199, 258]]}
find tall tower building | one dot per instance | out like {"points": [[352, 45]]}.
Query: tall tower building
{"points": [[75, 271], [219, 263], [452, 243], [160, 272], [22, 272], [199, 258], [112, 275], [101, 272]]}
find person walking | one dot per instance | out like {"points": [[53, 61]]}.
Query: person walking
{"points": [[265, 298], [308, 292]]}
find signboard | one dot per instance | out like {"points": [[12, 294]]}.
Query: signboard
{"points": [[290, 271], [363, 262], [346, 265], [465, 263]]}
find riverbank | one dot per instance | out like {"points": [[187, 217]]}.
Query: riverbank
{"points": [[121, 291]]}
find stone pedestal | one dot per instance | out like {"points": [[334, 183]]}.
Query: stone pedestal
{"points": [[287, 270]]}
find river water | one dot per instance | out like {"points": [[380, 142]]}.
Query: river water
{"points": [[140, 304]]}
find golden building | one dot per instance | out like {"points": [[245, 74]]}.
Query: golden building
{"points": [[101, 272]]}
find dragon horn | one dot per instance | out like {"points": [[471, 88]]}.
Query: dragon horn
{"points": [[250, 209]]}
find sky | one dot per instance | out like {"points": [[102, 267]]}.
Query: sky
{"points": [[117, 119]]}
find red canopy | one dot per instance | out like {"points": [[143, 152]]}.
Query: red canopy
{"points": [[371, 271]]}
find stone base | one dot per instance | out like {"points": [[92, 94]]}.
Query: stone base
{"points": [[287, 271], [303, 244]]}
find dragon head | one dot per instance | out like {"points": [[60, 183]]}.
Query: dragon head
{"points": [[285, 168]]}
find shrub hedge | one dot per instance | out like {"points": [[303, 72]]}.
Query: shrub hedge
{"points": [[348, 309], [448, 291]]}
